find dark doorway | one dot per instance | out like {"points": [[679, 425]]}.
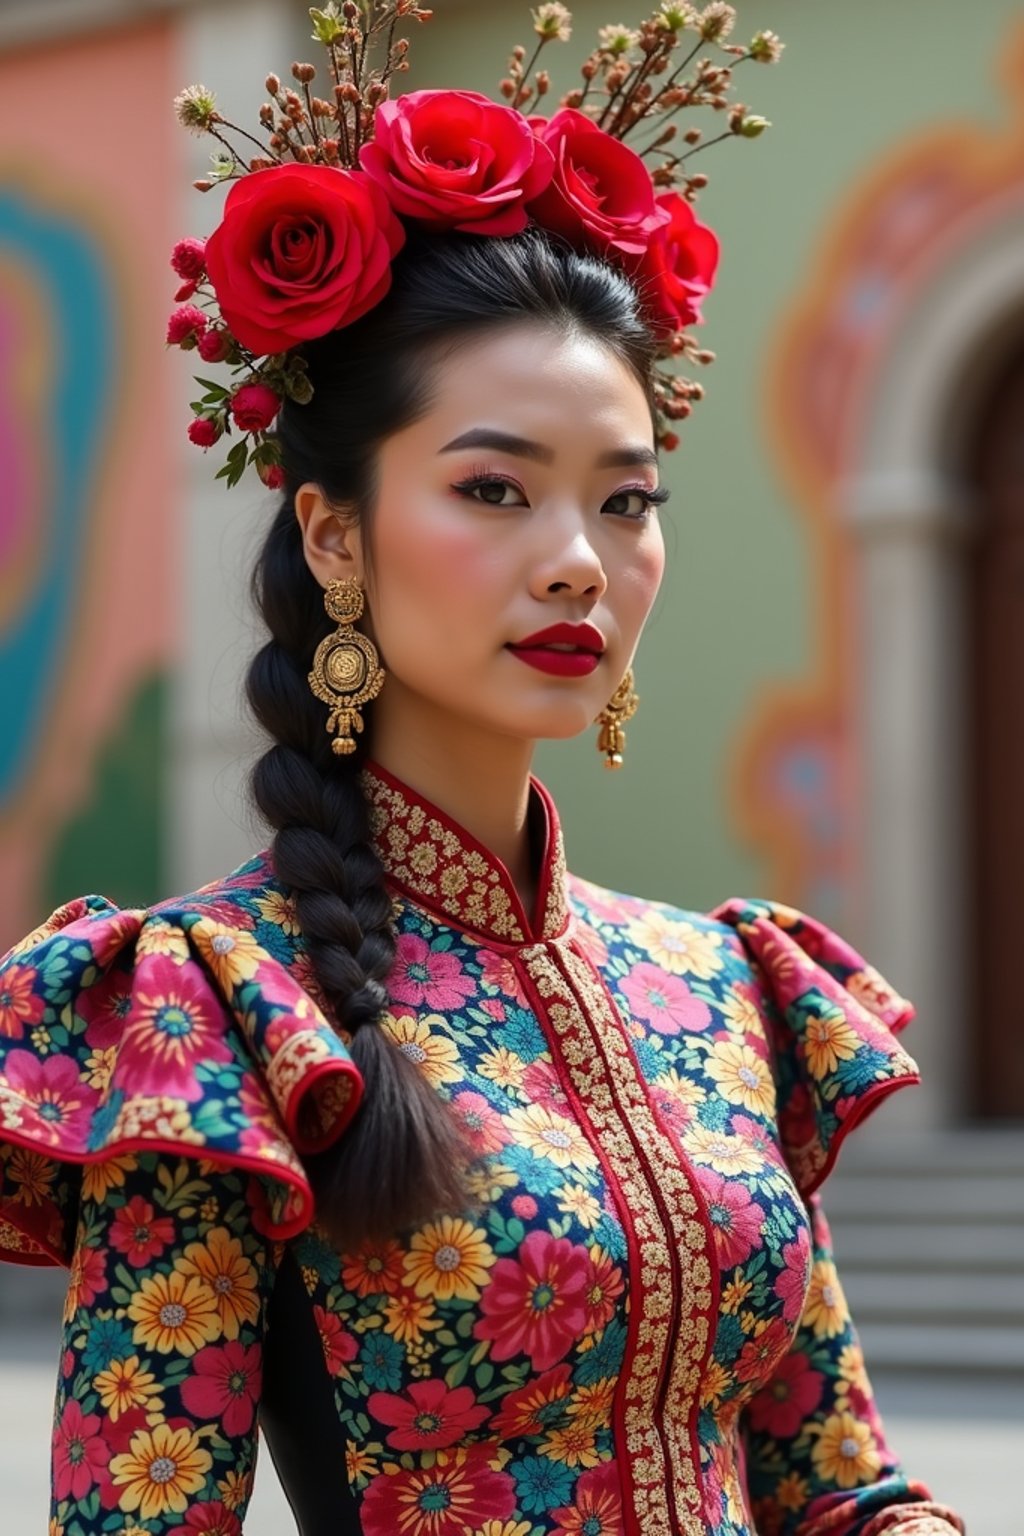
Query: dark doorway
{"points": [[996, 718]]}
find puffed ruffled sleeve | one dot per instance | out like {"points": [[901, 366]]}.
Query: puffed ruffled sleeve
{"points": [[834, 1024], [158, 1030]]}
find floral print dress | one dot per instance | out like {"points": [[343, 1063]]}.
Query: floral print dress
{"points": [[636, 1329]]}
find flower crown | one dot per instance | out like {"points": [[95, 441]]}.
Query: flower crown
{"points": [[314, 218]]}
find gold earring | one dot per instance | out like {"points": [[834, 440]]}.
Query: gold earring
{"points": [[611, 738], [346, 668]]}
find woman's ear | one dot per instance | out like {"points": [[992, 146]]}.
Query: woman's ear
{"points": [[331, 542]]}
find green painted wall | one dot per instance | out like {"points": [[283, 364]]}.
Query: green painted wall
{"points": [[115, 844], [736, 611]]}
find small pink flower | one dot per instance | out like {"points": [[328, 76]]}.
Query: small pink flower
{"points": [[272, 476], [203, 432], [185, 292], [663, 1001], [188, 259], [18, 1003], [495, 1008], [254, 407], [787, 1399], [735, 1219], [185, 326], [225, 1385], [536, 1304], [484, 1127], [139, 1232], [338, 1344], [211, 1520], [524, 1206], [79, 1452], [425, 975], [214, 344], [791, 1285], [428, 1416]]}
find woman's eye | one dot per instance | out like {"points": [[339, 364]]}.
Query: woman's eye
{"points": [[493, 492], [634, 504]]}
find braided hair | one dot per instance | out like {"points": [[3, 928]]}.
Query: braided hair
{"points": [[402, 1159]]}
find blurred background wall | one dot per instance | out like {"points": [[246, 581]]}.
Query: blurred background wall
{"points": [[832, 681]]}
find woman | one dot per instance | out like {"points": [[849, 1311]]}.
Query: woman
{"points": [[488, 1194]]}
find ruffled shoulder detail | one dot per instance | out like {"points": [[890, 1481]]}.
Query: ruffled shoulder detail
{"points": [[176, 1028], [834, 1021]]}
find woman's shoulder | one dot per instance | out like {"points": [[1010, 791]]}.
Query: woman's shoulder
{"points": [[829, 1021], [188, 1026]]}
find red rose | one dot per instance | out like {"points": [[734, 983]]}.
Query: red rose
{"points": [[601, 194], [300, 251], [272, 476], [203, 432], [185, 326], [189, 260], [214, 345], [455, 160], [254, 407], [678, 268]]}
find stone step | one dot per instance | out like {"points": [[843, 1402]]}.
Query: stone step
{"points": [[870, 1243], [974, 1302], [903, 1347], [906, 1199]]}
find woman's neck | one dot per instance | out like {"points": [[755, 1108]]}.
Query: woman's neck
{"points": [[478, 778]]}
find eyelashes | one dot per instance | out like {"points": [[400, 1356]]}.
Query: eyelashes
{"points": [[650, 496]]}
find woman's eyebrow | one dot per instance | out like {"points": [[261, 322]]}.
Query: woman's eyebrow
{"points": [[526, 448], [501, 442]]}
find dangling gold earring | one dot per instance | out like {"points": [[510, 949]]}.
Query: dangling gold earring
{"points": [[611, 738], [346, 668]]}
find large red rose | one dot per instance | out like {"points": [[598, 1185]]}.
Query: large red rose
{"points": [[301, 250], [455, 160], [601, 193], [678, 268]]}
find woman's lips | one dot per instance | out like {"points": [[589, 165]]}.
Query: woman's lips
{"points": [[559, 663], [565, 650]]}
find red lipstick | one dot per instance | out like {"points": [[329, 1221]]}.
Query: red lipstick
{"points": [[564, 650]]}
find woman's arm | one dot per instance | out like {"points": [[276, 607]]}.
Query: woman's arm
{"points": [[817, 1460], [160, 1370]]}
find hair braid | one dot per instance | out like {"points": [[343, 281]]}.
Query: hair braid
{"points": [[402, 1159], [399, 1162]]}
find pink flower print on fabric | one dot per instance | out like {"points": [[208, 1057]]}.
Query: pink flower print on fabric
{"points": [[80, 1452], [424, 975], [497, 971], [537, 1304], [663, 1001], [57, 1106], [225, 1385], [735, 1219], [596, 1509], [484, 1128], [176, 1021], [19, 1005], [790, 1397], [428, 1416], [791, 1285]]}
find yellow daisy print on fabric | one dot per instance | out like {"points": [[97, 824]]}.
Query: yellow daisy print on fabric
{"points": [[436, 1056], [174, 1311], [845, 1452], [230, 1276], [742, 1076], [449, 1258], [160, 1471], [678, 946]]}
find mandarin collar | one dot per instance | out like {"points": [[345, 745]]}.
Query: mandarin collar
{"points": [[432, 859]]}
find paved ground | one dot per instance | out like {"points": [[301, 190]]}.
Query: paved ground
{"points": [[965, 1438]]}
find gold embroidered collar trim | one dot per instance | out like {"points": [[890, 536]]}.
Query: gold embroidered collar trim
{"points": [[443, 867]]}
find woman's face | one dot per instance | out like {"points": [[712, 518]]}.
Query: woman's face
{"points": [[517, 502]]}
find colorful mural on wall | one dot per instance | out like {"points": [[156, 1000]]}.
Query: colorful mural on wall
{"points": [[915, 212], [87, 526]]}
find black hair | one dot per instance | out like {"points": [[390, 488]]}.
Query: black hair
{"points": [[401, 1161]]}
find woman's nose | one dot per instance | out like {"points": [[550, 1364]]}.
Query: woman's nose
{"points": [[574, 567]]}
